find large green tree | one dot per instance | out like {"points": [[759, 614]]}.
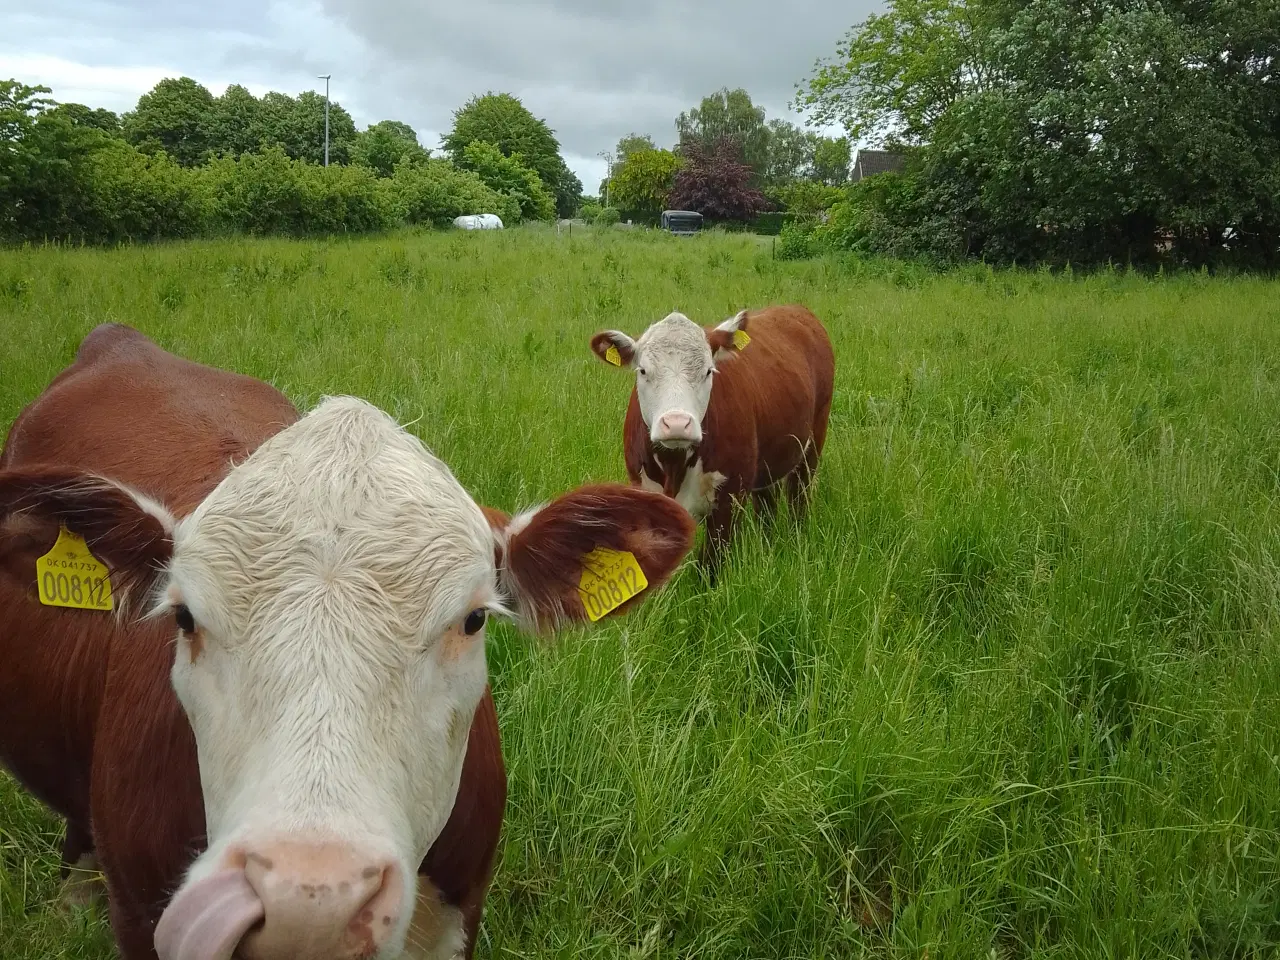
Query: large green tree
{"points": [[176, 117], [727, 115], [234, 126], [1081, 130], [98, 118], [21, 107], [831, 160], [895, 73], [790, 154], [502, 120], [630, 144], [643, 181], [385, 144], [297, 125], [182, 118], [45, 154], [509, 175], [567, 191]]}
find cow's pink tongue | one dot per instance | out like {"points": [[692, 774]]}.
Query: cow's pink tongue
{"points": [[206, 920]]}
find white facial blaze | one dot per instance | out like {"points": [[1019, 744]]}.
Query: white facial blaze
{"points": [[673, 378], [330, 685]]}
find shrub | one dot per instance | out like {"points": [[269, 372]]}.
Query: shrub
{"points": [[63, 176], [127, 195], [257, 193], [436, 191], [267, 193], [797, 239], [344, 199], [894, 215], [805, 197]]}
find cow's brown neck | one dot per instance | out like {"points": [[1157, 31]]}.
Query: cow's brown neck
{"points": [[674, 462]]}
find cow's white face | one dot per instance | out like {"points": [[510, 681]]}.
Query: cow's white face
{"points": [[331, 596], [674, 362]]}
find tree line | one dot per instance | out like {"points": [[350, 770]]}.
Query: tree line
{"points": [[186, 163]]}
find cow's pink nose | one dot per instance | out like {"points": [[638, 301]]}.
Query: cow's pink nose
{"points": [[320, 902], [675, 425], [290, 901]]}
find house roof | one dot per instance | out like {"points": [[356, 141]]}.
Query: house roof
{"points": [[870, 162]]}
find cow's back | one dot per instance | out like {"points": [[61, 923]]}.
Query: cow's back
{"points": [[129, 410], [773, 397]]}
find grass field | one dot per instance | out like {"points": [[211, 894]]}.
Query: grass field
{"points": [[1011, 689]]}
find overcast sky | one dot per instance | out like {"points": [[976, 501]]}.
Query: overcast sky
{"points": [[594, 69]]}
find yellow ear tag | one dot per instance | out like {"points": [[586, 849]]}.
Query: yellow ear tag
{"points": [[609, 579], [740, 339], [70, 576], [613, 356]]}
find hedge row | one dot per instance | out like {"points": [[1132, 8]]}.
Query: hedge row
{"points": [[116, 193]]}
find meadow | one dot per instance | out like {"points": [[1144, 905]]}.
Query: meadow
{"points": [[1010, 689]]}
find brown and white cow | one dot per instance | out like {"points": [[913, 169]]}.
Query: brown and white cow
{"points": [[327, 782], [719, 414]]}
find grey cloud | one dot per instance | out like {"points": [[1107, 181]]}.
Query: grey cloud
{"points": [[119, 32], [598, 70], [595, 69]]}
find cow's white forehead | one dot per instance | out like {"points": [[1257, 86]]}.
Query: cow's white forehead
{"points": [[677, 340], [343, 513]]}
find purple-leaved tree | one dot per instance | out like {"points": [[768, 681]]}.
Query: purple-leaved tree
{"points": [[715, 182]]}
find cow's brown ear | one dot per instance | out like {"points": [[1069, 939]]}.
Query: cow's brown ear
{"points": [[125, 530], [592, 553], [729, 338], [498, 521], [614, 347]]}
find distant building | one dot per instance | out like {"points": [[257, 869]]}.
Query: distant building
{"points": [[868, 163]]}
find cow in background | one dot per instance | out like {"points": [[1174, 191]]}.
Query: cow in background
{"points": [[268, 720], [728, 412]]}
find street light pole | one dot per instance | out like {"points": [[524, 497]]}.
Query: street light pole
{"points": [[325, 78], [608, 159]]}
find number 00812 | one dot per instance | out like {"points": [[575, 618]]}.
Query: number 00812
{"points": [[74, 589], [612, 592]]}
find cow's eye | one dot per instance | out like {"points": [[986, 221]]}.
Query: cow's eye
{"points": [[186, 622], [642, 372], [710, 370], [475, 620]]}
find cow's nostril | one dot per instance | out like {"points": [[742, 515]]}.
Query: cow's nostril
{"points": [[321, 900], [382, 908]]}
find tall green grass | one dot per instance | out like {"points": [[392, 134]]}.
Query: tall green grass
{"points": [[1010, 689]]}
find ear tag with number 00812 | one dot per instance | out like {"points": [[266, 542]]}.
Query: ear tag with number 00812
{"points": [[69, 575], [609, 579]]}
